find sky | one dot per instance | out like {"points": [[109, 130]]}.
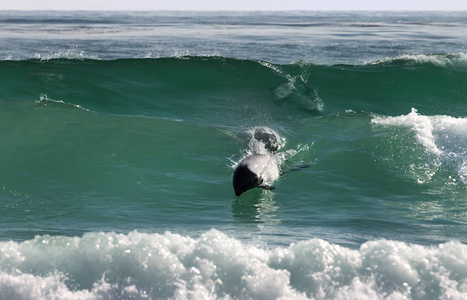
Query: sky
{"points": [[234, 5]]}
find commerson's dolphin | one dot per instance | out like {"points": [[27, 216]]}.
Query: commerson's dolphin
{"points": [[259, 169]]}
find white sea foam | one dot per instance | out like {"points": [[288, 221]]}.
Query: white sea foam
{"points": [[444, 139], [216, 266]]}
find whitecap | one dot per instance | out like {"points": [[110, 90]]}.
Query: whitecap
{"points": [[444, 139]]}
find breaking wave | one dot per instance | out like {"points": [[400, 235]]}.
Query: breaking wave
{"points": [[441, 142], [216, 266]]}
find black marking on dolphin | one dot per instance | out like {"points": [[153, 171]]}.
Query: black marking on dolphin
{"points": [[247, 174]]}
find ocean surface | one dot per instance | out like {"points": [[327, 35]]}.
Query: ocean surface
{"points": [[120, 132]]}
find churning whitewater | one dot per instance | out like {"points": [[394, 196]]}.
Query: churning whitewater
{"points": [[215, 266]]}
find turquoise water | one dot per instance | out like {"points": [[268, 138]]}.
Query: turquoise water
{"points": [[120, 133]]}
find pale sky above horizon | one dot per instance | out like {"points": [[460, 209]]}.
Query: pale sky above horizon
{"points": [[446, 5]]}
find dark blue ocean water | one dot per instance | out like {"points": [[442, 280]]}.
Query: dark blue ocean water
{"points": [[120, 132]]}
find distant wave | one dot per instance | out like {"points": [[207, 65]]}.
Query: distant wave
{"points": [[458, 60], [440, 60]]}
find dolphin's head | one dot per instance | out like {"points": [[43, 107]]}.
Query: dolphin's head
{"points": [[270, 140]]}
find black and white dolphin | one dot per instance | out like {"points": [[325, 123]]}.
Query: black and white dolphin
{"points": [[261, 168]]}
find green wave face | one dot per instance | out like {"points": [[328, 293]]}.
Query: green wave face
{"points": [[229, 91]]}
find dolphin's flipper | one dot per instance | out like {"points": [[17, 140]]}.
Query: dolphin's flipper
{"points": [[299, 167], [295, 168]]}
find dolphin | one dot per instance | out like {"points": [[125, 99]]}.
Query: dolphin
{"points": [[256, 170]]}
